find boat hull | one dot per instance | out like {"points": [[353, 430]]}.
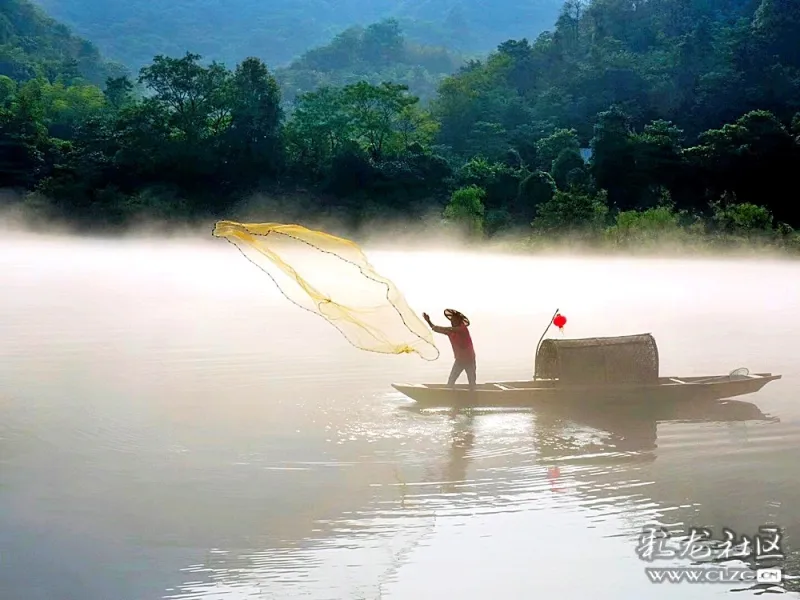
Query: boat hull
{"points": [[542, 392]]}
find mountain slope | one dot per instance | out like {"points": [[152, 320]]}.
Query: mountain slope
{"points": [[133, 31], [32, 44], [380, 52]]}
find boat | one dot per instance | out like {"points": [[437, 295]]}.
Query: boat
{"points": [[524, 393], [608, 371]]}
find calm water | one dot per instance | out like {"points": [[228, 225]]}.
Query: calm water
{"points": [[173, 428]]}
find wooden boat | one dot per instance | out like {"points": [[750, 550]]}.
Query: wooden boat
{"points": [[523, 393], [617, 370]]}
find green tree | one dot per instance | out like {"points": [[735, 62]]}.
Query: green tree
{"points": [[23, 139], [548, 149], [499, 181], [744, 218], [319, 127], [415, 126], [119, 92], [568, 168], [383, 42], [536, 189], [8, 90], [571, 212], [655, 225], [473, 108], [197, 97], [612, 158], [466, 209], [739, 158], [378, 114], [254, 135], [67, 107], [658, 157]]}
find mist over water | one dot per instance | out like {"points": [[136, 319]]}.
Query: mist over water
{"points": [[172, 427]]}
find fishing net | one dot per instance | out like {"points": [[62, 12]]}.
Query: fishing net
{"points": [[331, 277], [624, 359]]}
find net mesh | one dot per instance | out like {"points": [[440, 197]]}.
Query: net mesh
{"points": [[624, 359], [331, 277]]}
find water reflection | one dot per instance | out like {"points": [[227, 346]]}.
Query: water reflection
{"points": [[630, 431], [556, 462], [462, 443], [605, 458], [627, 443]]}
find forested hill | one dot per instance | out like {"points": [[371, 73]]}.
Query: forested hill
{"points": [[691, 111], [377, 53], [278, 31], [696, 64], [33, 44]]}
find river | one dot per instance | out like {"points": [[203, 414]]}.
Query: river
{"points": [[173, 428]]}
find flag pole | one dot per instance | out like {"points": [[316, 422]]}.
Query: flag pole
{"points": [[540, 342]]}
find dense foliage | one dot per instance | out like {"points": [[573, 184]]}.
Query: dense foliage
{"points": [[377, 53], [609, 128], [279, 31], [697, 64]]}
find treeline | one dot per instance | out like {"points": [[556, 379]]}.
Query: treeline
{"points": [[608, 128]]}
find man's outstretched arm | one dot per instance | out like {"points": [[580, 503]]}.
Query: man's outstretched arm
{"points": [[444, 330], [437, 328]]}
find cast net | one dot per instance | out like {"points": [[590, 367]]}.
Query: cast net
{"points": [[624, 359], [331, 277]]}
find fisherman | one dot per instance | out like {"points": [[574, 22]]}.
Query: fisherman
{"points": [[461, 341]]}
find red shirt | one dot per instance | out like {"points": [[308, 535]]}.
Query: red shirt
{"points": [[461, 341]]}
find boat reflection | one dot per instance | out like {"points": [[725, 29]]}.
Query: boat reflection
{"points": [[566, 436], [590, 434], [628, 432], [607, 461]]}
